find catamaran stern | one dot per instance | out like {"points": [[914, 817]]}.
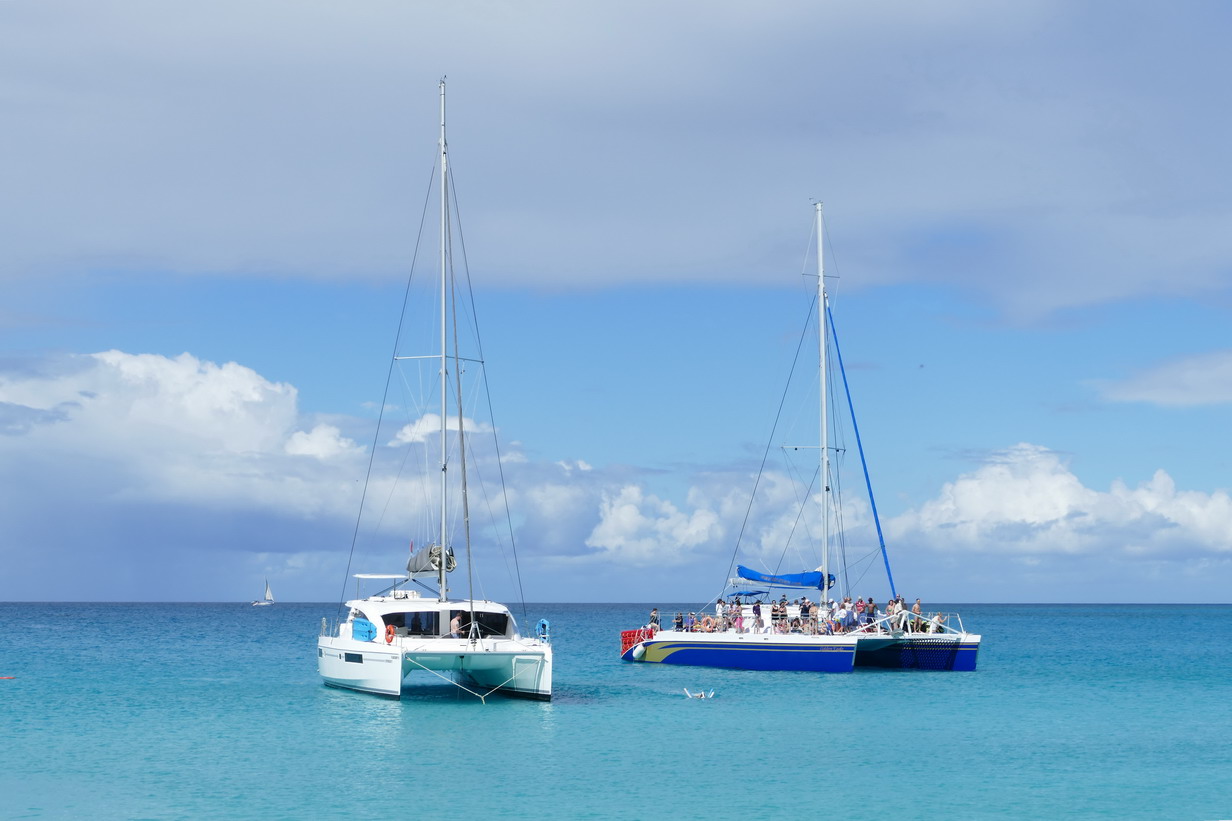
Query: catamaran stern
{"points": [[352, 665], [908, 651]]}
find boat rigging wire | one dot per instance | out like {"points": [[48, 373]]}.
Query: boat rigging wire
{"points": [[769, 442], [487, 391], [457, 366], [833, 481], [860, 447], [376, 434]]}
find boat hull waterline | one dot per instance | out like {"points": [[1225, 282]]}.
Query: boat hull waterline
{"points": [[822, 654]]}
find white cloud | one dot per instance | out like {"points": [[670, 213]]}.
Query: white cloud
{"points": [[512, 455], [1201, 379], [180, 446], [641, 529], [229, 405], [323, 442], [177, 429], [1025, 502], [428, 427], [579, 465]]}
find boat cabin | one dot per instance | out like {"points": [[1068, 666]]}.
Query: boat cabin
{"points": [[416, 617]]}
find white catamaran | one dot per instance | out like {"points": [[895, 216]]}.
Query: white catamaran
{"points": [[749, 631], [469, 641]]}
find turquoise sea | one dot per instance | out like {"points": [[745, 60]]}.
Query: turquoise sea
{"points": [[198, 711]]}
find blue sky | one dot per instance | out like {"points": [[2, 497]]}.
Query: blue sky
{"points": [[208, 212]]}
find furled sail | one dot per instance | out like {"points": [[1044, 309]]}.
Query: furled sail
{"points": [[812, 579], [428, 560]]}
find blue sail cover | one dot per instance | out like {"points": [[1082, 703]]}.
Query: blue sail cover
{"points": [[811, 579]]}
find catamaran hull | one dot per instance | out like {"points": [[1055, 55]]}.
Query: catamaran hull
{"points": [[362, 666], [916, 652], [818, 654], [507, 667], [521, 669]]}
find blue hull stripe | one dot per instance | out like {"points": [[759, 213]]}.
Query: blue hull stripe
{"points": [[886, 653], [748, 656]]}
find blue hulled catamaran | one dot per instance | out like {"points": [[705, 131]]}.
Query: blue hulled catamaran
{"points": [[748, 629]]}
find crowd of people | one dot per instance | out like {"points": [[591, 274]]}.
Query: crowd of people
{"points": [[805, 616]]}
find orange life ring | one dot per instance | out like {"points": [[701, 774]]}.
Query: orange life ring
{"points": [[389, 634]]}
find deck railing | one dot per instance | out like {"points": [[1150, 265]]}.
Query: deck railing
{"points": [[905, 622]]}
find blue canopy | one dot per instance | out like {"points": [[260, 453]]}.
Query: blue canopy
{"points": [[811, 579]]}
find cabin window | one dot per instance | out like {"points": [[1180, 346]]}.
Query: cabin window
{"points": [[490, 624], [356, 658], [416, 623]]}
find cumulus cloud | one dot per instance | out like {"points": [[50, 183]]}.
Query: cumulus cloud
{"points": [[173, 428], [1025, 501], [322, 442], [1201, 379], [429, 426], [158, 457], [643, 529]]}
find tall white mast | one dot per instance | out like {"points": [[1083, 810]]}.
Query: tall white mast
{"points": [[441, 572], [825, 427]]}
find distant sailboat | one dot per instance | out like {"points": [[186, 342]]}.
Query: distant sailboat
{"points": [[269, 597]]}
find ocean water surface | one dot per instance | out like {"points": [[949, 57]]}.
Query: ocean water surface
{"points": [[168, 711]]}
